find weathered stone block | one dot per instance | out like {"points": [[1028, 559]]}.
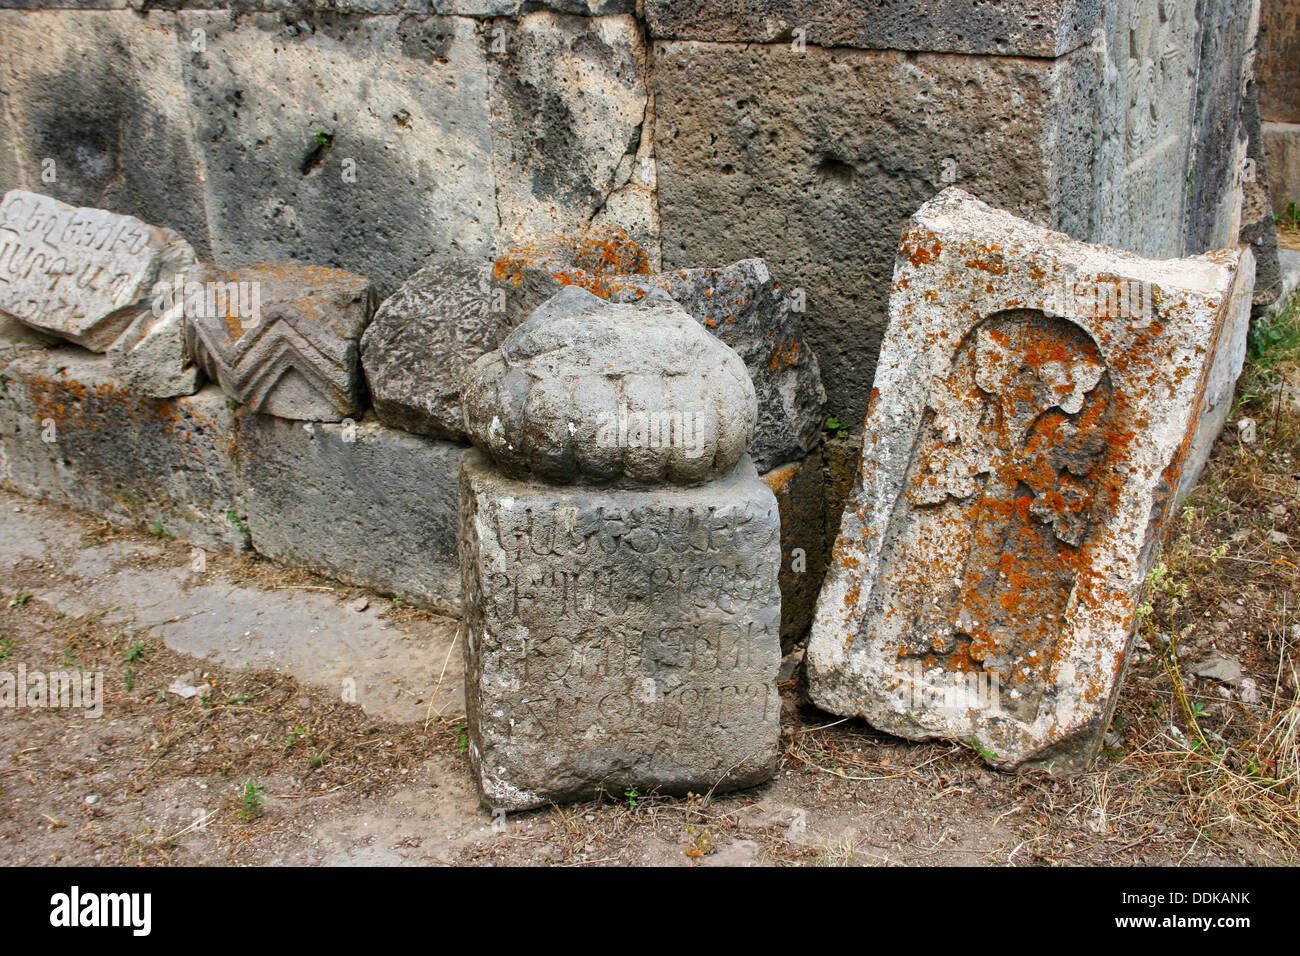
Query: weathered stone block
{"points": [[1282, 150], [619, 639], [362, 503], [1035, 403], [740, 304], [88, 276], [570, 137], [73, 433], [361, 143], [799, 490], [590, 391], [97, 99], [1277, 62], [1016, 28], [422, 339], [283, 339], [832, 148]]}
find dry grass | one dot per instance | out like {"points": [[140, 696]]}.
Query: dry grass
{"points": [[1236, 760]]}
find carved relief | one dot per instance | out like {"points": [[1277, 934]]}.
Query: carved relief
{"points": [[1005, 475]]}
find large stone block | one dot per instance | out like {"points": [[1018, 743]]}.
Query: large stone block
{"points": [[73, 433], [1277, 62], [832, 150], [361, 143], [619, 639], [96, 114], [1132, 139], [362, 503], [1035, 405], [571, 143], [424, 337], [1015, 28], [88, 276], [1282, 151], [283, 339]]}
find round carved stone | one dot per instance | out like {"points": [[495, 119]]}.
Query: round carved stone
{"points": [[589, 391]]}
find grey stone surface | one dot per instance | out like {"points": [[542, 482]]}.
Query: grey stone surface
{"points": [[1258, 229], [1277, 62], [570, 130], [1011, 27], [619, 639], [1289, 281], [362, 503], [422, 339], [826, 153], [741, 304], [282, 338], [833, 150], [1220, 129], [1282, 154], [586, 390], [1035, 404], [384, 663], [402, 164], [74, 434], [89, 276], [97, 101], [745, 307]]}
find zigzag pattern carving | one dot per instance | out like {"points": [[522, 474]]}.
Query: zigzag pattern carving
{"points": [[282, 339]]}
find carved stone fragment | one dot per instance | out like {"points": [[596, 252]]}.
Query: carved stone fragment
{"points": [[589, 391], [92, 277], [422, 339], [619, 639], [1035, 404], [282, 338]]}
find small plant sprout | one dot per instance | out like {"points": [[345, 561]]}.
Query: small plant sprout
{"points": [[250, 804]]}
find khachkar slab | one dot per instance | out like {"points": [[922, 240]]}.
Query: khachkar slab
{"points": [[1034, 405], [422, 339], [619, 639], [622, 629], [98, 279], [282, 338]]}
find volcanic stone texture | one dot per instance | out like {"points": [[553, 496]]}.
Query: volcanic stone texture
{"points": [[424, 337], [1035, 406], [285, 340], [619, 639]]}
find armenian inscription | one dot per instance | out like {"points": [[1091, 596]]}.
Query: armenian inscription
{"points": [[617, 636], [73, 271]]}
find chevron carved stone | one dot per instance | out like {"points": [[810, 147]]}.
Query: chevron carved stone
{"points": [[282, 338]]}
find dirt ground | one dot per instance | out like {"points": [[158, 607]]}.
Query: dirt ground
{"points": [[256, 766]]}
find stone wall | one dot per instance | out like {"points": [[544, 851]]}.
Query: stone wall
{"points": [[368, 135]]}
